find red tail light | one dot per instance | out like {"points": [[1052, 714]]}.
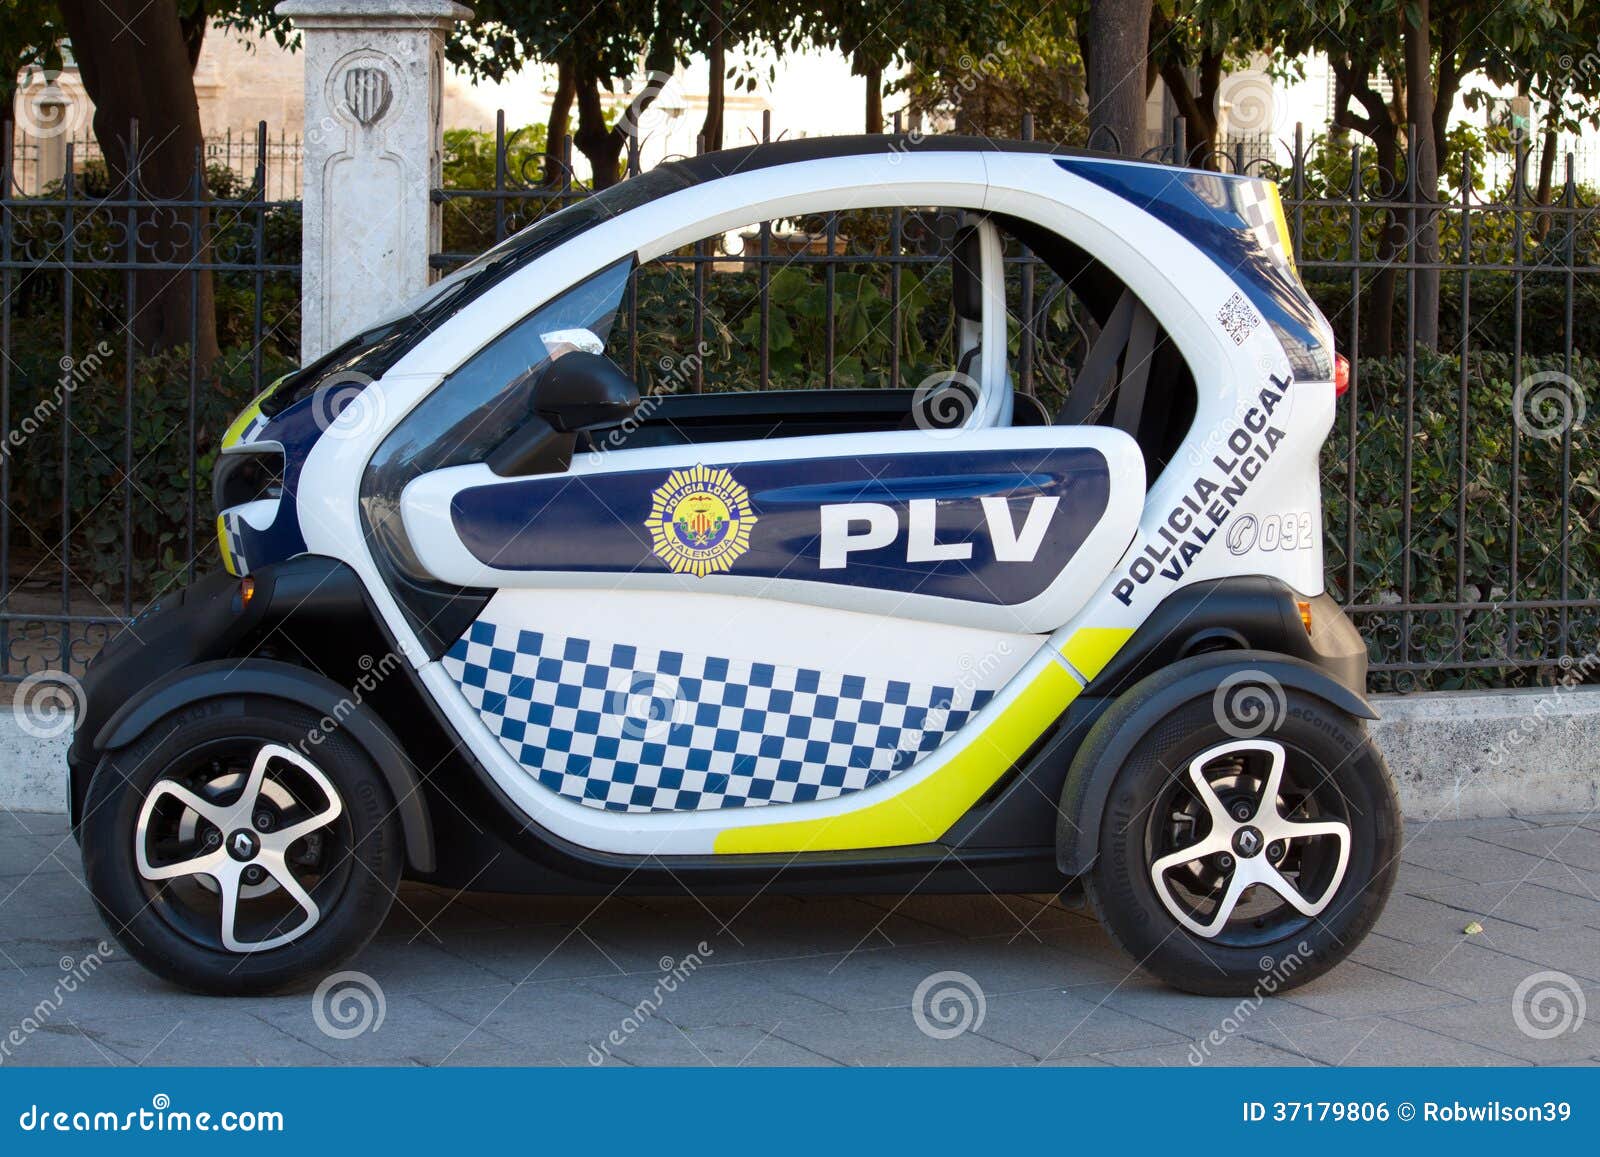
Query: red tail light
{"points": [[1341, 375]]}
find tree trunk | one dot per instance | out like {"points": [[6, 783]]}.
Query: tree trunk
{"points": [[1115, 38], [874, 116], [600, 143], [1424, 177], [1547, 177], [135, 59], [1378, 332], [557, 127], [716, 82]]}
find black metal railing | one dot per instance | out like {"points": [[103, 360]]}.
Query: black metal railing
{"points": [[1460, 483], [114, 393]]}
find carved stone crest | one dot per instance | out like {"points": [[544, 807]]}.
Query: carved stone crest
{"points": [[367, 94]]}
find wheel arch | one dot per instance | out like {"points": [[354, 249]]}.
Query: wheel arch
{"points": [[229, 678], [1112, 738]]}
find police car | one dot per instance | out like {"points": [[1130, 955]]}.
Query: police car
{"points": [[490, 619]]}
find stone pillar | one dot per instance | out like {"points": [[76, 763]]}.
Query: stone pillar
{"points": [[372, 154]]}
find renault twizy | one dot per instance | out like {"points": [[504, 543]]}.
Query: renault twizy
{"points": [[496, 620]]}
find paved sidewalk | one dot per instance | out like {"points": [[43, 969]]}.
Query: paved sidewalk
{"points": [[477, 979]]}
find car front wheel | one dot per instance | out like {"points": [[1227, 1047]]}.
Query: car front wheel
{"points": [[1238, 860], [236, 848]]}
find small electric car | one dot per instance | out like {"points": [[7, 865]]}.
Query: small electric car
{"points": [[493, 621]]}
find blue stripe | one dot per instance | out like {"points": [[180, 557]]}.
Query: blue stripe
{"points": [[596, 523]]}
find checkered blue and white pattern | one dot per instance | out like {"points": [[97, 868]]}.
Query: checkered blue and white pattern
{"points": [[633, 729], [232, 526]]}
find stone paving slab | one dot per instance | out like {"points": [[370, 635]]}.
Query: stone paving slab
{"points": [[467, 979]]}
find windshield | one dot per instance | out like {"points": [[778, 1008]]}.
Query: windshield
{"points": [[372, 352]]}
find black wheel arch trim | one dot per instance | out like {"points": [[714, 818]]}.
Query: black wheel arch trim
{"points": [[1112, 738], [226, 678]]}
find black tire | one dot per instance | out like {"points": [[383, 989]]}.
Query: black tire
{"points": [[350, 866], [1328, 752]]}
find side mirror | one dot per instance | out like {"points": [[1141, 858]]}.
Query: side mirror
{"points": [[584, 391]]}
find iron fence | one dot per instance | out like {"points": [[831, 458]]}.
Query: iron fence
{"points": [[1460, 481], [38, 163], [114, 389]]}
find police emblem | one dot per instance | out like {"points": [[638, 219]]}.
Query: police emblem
{"points": [[700, 521]]}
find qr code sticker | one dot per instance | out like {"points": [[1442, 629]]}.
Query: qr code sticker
{"points": [[1238, 318]]}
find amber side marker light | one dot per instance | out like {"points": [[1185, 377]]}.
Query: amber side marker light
{"points": [[247, 591], [1341, 375], [1304, 608]]}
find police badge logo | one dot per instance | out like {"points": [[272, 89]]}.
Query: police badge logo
{"points": [[700, 521]]}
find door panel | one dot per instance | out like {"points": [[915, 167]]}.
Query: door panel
{"points": [[788, 624]]}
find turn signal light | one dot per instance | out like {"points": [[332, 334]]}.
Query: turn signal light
{"points": [[247, 591], [1341, 375], [1304, 608]]}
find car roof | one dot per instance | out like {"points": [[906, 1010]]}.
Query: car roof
{"points": [[727, 162]]}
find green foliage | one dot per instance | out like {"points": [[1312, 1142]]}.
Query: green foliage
{"points": [[470, 222], [87, 410], [666, 350], [1465, 505]]}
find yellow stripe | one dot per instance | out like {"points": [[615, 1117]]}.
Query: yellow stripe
{"points": [[1283, 226], [924, 812], [227, 555], [1091, 648], [248, 415]]}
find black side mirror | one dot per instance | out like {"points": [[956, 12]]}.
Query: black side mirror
{"points": [[584, 391], [577, 391]]}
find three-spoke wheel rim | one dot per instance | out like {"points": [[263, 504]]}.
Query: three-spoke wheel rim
{"points": [[1250, 844], [242, 844]]}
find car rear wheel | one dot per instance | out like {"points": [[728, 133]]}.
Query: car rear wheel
{"points": [[236, 847], [1242, 860]]}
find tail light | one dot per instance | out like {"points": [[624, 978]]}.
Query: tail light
{"points": [[1341, 375]]}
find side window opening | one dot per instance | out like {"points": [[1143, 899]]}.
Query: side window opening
{"points": [[1095, 354]]}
